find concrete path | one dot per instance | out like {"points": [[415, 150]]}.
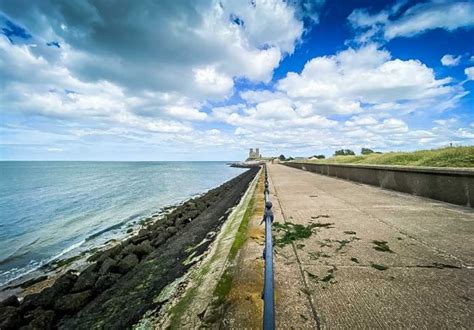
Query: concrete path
{"points": [[375, 258]]}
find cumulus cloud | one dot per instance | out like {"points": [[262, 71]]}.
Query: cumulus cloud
{"points": [[469, 72], [365, 84], [366, 75], [144, 65], [390, 23], [161, 45], [450, 60], [147, 75]]}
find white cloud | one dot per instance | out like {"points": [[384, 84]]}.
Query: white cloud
{"points": [[378, 91], [445, 122], [149, 78], [469, 72], [210, 81], [450, 60], [54, 149], [427, 16], [389, 23], [367, 75], [194, 48]]}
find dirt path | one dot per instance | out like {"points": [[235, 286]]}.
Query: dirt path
{"points": [[353, 256]]}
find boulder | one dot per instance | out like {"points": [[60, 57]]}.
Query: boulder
{"points": [[109, 253], [10, 317], [180, 223], [86, 280], [106, 281], [73, 302], [44, 299], [11, 301], [64, 283], [107, 266], [143, 234], [172, 230], [143, 249], [160, 239], [42, 319], [127, 263]]}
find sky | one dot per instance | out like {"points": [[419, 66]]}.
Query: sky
{"points": [[207, 80]]}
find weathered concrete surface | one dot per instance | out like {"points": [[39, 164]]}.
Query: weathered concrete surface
{"points": [[243, 306], [329, 279], [452, 185]]}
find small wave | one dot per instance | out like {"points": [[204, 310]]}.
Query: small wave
{"points": [[17, 254], [113, 227], [15, 273]]}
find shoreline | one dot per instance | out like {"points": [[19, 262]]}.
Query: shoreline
{"points": [[32, 281], [77, 298]]}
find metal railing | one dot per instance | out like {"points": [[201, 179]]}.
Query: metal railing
{"points": [[268, 297]]}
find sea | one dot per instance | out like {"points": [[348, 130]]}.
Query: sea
{"points": [[49, 210]]}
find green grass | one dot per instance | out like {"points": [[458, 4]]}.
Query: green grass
{"points": [[382, 246], [444, 157], [379, 267], [293, 232]]}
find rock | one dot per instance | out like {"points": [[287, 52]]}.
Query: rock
{"points": [[65, 283], [107, 266], [180, 223], [127, 263], [138, 239], [143, 234], [143, 249], [11, 301], [170, 221], [106, 281], [160, 239], [110, 253], [73, 302], [42, 319], [10, 317], [85, 280], [172, 230], [43, 299]]}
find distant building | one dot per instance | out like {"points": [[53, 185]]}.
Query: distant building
{"points": [[254, 154]]}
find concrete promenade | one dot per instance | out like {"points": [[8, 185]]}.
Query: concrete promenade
{"points": [[374, 258]]}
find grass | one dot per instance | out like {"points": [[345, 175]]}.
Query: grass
{"points": [[382, 246], [379, 267], [354, 259], [444, 157], [330, 276], [294, 232]]}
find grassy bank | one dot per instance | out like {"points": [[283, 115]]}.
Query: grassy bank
{"points": [[445, 157]]}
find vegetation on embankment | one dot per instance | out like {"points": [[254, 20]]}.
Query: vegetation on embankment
{"points": [[444, 157]]}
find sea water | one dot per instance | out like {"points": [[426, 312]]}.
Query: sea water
{"points": [[49, 209]]}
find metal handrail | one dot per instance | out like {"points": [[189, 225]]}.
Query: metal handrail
{"points": [[268, 296]]}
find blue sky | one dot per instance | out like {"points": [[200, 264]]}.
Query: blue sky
{"points": [[168, 80]]}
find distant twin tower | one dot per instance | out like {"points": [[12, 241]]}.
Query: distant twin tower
{"points": [[254, 154]]}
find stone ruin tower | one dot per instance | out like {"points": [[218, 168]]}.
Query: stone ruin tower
{"points": [[254, 154]]}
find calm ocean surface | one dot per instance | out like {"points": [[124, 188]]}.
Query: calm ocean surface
{"points": [[52, 209]]}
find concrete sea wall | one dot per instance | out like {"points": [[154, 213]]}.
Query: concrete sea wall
{"points": [[451, 185]]}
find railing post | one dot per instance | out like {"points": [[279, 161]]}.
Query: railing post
{"points": [[268, 296]]}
